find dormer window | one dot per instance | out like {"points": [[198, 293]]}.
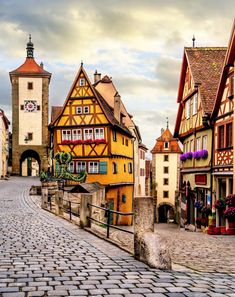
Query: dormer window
{"points": [[82, 82], [166, 145]]}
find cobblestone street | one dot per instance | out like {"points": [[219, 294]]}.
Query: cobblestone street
{"points": [[44, 255]]}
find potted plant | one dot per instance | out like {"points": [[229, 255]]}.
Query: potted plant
{"points": [[220, 204], [230, 215], [230, 200]]}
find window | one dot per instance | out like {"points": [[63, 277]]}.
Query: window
{"points": [[166, 169], [126, 142], [21, 107], [204, 142], [221, 137], [82, 82], [198, 143], [166, 145], [124, 169], [99, 133], [103, 168], [195, 103], [38, 107], [30, 136], [187, 108], [93, 167], [114, 135], [166, 158], [165, 194], [142, 155], [78, 110], [191, 145], [123, 140], [30, 86], [229, 135], [66, 135], [165, 181], [71, 167], [76, 134], [115, 168], [81, 166], [86, 109], [88, 134], [130, 169]]}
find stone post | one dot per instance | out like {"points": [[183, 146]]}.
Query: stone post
{"points": [[44, 204], [143, 221], [59, 203], [149, 247], [85, 210]]}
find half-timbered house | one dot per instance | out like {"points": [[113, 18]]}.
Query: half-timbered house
{"points": [[222, 117], [98, 140], [200, 74]]}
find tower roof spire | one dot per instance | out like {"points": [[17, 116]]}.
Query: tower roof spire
{"points": [[30, 48], [167, 123], [193, 39]]}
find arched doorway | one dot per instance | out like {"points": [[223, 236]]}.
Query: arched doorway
{"points": [[30, 164], [165, 213]]}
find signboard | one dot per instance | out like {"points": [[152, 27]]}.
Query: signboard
{"points": [[200, 179]]}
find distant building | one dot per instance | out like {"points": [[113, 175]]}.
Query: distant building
{"points": [[4, 144], [165, 175], [148, 178], [30, 137]]}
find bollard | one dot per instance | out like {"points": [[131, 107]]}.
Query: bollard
{"points": [[85, 210], [143, 221], [44, 202], [59, 203]]}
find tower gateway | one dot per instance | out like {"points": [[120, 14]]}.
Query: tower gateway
{"points": [[30, 89]]}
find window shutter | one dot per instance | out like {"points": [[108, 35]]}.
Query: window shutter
{"points": [[103, 167]]}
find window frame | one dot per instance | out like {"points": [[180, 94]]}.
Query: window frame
{"points": [[67, 132], [165, 194], [82, 82], [99, 133], [80, 133], [94, 167], [86, 136], [78, 109], [195, 103], [83, 167], [86, 111]]}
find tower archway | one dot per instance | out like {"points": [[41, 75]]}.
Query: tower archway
{"points": [[166, 213], [30, 163]]}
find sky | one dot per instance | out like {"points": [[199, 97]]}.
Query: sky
{"points": [[137, 43]]}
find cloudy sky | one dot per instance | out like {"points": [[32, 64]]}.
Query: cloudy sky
{"points": [[138, 43]]}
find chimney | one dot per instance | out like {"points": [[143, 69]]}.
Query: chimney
{"points": [[97, 77], [41, 65], [117, 107]]}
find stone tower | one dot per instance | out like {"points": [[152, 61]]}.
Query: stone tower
{"points": [[30, 137]]}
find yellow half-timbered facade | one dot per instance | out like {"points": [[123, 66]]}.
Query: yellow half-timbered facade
{"points": [[99, 142], [200, 74]]}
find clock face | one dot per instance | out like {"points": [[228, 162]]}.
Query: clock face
{"points": [[30, 105]]}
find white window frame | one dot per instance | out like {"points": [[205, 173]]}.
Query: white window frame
{"points": [[191, 145], [86, 109], [88, 134], [93, 167], [78, 109], [66, 135], [82, 82], [71, 166], [198, 143], [76, 134], [80, 166], [187, 108], [99, 133], [195, 104], [204, 142]]}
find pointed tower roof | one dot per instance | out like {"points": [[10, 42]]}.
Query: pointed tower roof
{"points": [[30, 67], [173, 146]]}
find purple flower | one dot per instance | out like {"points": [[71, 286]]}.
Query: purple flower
{"points": [[189, 155], [204, 154], [196, 155], [183, 157]]}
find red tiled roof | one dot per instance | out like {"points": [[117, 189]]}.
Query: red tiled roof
{"points": [[166, 137], [55, 111], [206, 64], [30, 67]]}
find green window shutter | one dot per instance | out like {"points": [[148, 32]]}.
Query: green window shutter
{"points": [[103, 167]]}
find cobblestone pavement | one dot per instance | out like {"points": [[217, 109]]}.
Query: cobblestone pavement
{"points": [[195, 250], [44, 255]]}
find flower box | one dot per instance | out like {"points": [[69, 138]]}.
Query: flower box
{"points": [[223, 230]]}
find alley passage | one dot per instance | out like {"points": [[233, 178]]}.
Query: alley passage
{"points": [[43, 255]]}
